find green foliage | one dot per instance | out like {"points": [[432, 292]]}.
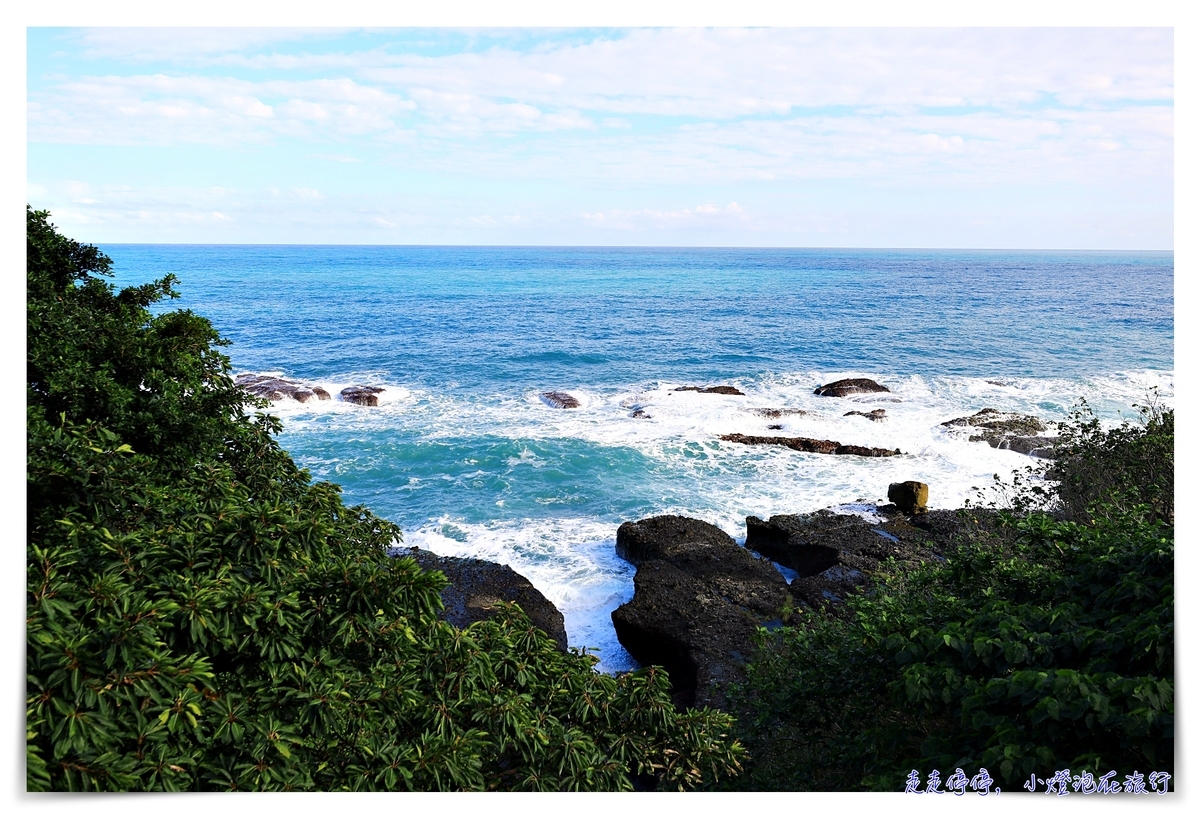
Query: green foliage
{"points": [[201, 616], [1044, 644]]}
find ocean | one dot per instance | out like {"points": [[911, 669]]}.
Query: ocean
{"points": [[468, 458]]}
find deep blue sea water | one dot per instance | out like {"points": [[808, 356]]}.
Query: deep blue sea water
{"points": [[467, 458]]}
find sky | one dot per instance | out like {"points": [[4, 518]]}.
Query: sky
{"points": [[768, 136]]}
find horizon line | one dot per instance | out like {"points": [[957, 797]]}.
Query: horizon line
{"points": [[637, 247]]}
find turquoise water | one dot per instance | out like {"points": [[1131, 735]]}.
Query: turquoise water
{"points": [[467, 458]]}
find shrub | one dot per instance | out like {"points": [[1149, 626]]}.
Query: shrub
{"points": [[1044, 645]]}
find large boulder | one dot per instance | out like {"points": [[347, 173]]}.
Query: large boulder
{"points": [[910, 496], [476, 586], [698, 599], [809, 444], [849, 386], [276, 389], [362, 395]]}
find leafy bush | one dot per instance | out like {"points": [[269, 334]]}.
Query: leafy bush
{"points": [[1044, 644], [202, 616]]}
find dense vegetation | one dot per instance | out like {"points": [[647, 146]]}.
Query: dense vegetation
{"points": [[1043, 642], [202, 616]]}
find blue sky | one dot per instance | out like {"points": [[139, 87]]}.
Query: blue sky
{"points": [[989, 137]]}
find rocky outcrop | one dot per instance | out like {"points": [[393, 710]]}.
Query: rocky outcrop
{"points": [[809, 444], [849, 386], [698, 600], [477, 585], [362, 395], [910, 497], [834, 554], [1006, 430], [711, 390], [276, 389], [639, 413], [1034, 445], [874, 414], [560, 400]]}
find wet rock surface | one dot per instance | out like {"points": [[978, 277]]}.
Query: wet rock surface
{"points": [[849, 386], [1006, 430], [560, 400], [477, 585], [833, 554], [275, 389], [711, 390], [809, 444], [362, 395], [874, 414], [698, 599]]}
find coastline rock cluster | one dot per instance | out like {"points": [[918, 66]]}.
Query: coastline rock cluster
{"points": [[699, 597], [276, 389], [1007, 430], [273, 389]]}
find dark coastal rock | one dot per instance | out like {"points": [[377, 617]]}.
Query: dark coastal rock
{"points": [[560, 400], [910, 496], [836, 553], [275, 389], [639, 413], [1034, 445], [1006, 430], [808, 444], [698, 598], [776, 413], [477, 585], [711, 390], [362, 395], [874, 414], [849, 386]]}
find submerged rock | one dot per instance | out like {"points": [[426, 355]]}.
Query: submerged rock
{"points": [[874, 414], [776, 413], [698, 600], [560, 400], [275, 389], [476, 586], [711, 390], [362, 395], [809, 444], [849, 386]]}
